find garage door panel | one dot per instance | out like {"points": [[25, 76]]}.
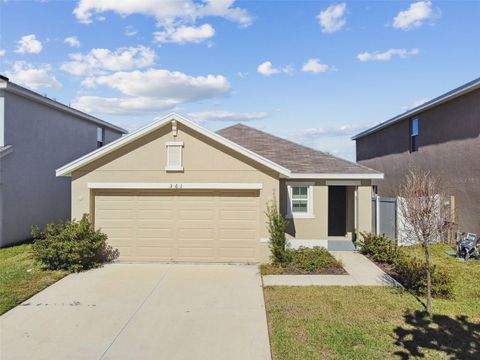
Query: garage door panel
{"points": [[236, 253], [181, 226], [195, 254], [236, 214], [237, 234], [157, 253], [196, 233], [200, 214], [156, 214], [155, 233]]}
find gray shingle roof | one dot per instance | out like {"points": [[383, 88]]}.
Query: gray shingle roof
{"points": [[295, 157]]}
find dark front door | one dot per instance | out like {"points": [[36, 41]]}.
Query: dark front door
{"points": [[337, 210]]}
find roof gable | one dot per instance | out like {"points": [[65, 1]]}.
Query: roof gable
{"points": [[67, 169]]}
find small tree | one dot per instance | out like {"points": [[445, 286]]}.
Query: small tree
{"points": [[276, 229], [426, 214]]}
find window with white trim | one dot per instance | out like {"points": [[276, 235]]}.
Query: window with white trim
{"points": [[174, 156], [300, 200]]}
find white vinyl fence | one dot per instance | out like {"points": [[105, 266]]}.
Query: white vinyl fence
{"points": [[387, 219]]}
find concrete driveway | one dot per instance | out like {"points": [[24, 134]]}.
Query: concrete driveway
{"points": [[142, 311]]}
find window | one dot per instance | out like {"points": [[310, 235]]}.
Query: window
{"points": [[414, 131], [300, 200], [174, 156], [100, 136]]}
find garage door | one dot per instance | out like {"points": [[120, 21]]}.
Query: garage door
{"points": [[180, 226]]}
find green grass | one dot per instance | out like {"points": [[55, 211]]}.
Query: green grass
{"points": [[377, 322], [21, 277]]}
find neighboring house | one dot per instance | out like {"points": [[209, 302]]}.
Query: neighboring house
{"points": [[37, 135], [440, 136], [174, 191]]}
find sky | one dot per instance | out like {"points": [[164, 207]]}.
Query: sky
{"points": [[315, 72]]}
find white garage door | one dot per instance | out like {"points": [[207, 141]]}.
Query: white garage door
{"points": [[181, 226]]}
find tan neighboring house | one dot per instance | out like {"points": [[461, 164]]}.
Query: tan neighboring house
{"points": [[175, 191]]}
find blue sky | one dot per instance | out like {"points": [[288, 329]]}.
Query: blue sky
{"points": [[315, 72]]}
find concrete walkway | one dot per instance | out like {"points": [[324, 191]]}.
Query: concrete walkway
{"points": [[142, 311], [361, 272]]}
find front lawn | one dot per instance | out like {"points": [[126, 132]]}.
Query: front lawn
{"points": [[377, 322], [21, 277]]}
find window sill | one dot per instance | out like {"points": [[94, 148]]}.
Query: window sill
{"points": [[174, 169], [300, 216]]}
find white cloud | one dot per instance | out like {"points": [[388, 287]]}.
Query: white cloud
{"points": [[221, 115], [415, 104], [150, 90], [313, 133], [415, 15], [314, 66], [33, 77], [266, 68], [185, 34], [72, 41], [99, 61], [387, 55], [28, 44], [130, 30], [332, 18], [2, 52], [168, 12]]}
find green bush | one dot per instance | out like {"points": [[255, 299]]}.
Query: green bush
{"points": [[71, 245], [276, 229], [378, 247], [310, 260], [408, 271], [411, 273]]}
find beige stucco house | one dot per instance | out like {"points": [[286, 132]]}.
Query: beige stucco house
{"points": [[175, 191]]}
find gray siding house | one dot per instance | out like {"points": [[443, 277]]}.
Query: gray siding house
{"points": [[441, 136], [37, 135]]}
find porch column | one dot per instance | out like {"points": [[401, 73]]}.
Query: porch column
{"points": [[364, 209]]}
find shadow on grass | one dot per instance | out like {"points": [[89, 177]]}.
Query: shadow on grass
{"points": [[457, 338]]}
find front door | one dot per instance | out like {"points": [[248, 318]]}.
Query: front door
{"points": [[337, 210]]}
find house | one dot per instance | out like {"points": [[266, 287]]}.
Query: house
{"points": [[37, 135], [440, 136], [175, 191]]}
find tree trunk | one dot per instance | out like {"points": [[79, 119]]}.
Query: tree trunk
{"points": [[429, 279]]}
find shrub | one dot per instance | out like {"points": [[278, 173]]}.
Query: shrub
{"points": [[379, 247], [71, 245], [276, 229], [411, 273], [310, 260]]}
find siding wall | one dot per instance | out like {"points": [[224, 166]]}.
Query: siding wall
{"points": [[449, 147], [43, 139]]}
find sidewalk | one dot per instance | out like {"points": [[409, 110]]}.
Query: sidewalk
{"points": [[361, 272]]}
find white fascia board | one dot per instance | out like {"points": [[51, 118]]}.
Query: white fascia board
{"points": [[343, 183], [335, 176], [67, 169], [175, 186]]}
